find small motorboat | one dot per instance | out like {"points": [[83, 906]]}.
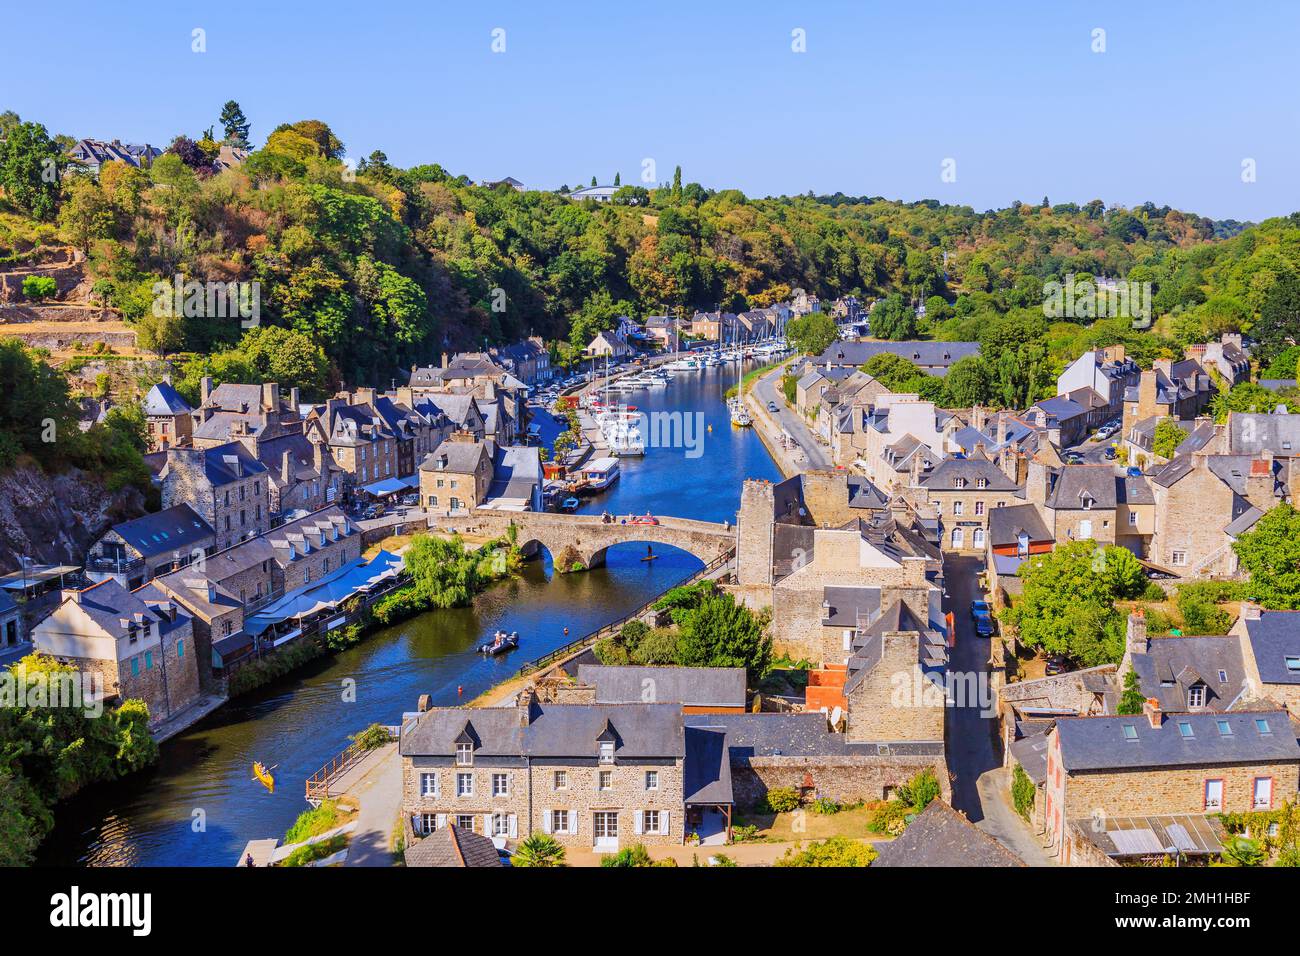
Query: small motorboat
{"points": [[501, 643], [570, 504], [263, 775]]}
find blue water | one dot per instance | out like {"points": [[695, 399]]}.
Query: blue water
{"points": [[199, 806]]}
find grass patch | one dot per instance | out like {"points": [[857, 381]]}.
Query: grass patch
{"points": [[780, 827], [306, 855], [315, 821]]}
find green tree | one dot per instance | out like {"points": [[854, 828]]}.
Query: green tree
{"points": [[920, 791], [30, 167], [1067, 605], [235, 124], [837, 851], [892, 318], [1131, 701], [969, 382], [811, 334], [1168, 436], [1243, 397], [539, 849], [1270, 553], [721, 633]]}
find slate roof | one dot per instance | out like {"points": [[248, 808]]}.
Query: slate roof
{"points": [[941, 836], [452, 846], [1006, 523], [164, 400], [1074, 482], [1253, 433], [461, 457], [692, 686], [849, 606], [707, 771], [1274, 636], [937, 355], [554, 730], [867, 647], [1201, 434], [1030, 751], [178, 528], [1173, 664], [782, 735], [226, 463], [1100, 743], [109, 604], [972, 469], [516, 471]]}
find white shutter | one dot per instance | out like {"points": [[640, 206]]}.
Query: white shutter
{"points": [[546, 821], [638, 821], [487, 824], [663, 821], [573, 822], [513, 824], [442, 821]]}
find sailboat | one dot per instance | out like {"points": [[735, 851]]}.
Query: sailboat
{"points": [[739, 415]]}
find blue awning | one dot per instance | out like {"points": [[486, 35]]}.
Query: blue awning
{"points": [[333, 589], [391, 486]]}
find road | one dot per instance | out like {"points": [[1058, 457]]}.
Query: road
{"points": [[980, 787], [816, 457]]}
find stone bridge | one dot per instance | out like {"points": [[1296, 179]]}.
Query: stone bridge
{"points": [[585, 538]]}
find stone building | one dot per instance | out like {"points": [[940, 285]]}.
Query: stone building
{"points": [[225, 485], [358, 438], [134, 551], [597, 776], [167, 417], [965, 491], [311, 547], [139, 647], [216, 615], [1270, 642], [455, 476], [1153, 765]]}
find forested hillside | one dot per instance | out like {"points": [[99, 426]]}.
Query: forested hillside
{"points": [[383, 267]]}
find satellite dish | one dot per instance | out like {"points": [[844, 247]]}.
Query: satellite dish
{"points": [[836, 716]]}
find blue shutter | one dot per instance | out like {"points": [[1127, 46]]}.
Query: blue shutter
{"points": [[180, 648]]}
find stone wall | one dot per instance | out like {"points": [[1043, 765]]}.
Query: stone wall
{"points": [[895, 700], [1081, 851], [754, 528], [1173, 789], [847, 779]]}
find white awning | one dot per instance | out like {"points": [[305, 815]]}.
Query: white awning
{"points": [[330, 591], [391, 486]]}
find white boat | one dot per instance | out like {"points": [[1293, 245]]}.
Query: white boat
{"points": [[600, 473]]}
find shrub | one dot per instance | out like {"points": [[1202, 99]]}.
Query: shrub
{"points": [[782, 799], [628, 856], [743, 833], [721, 859], [306, 855], [837, 851], [825, 806], [314, 822], [888, 817], [1022, 791], [918, 792], [540, 849], [372, 738], [39, 287]]}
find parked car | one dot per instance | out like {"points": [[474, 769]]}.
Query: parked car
{"points": [[1057, 665], [985, 625], [1110, 454], [979, 607], [1133, 471], [1073, 458], [772, 407]]}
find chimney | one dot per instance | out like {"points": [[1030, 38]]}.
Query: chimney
{"points": [[406, 396], [318, 457], [444, 360], [1151, 710], [424, 703], [205, 390], [271, 396], [1250, 611], [295, 399], [74, 596], [286, 467], [527, 697], [1135, 638], [1002, 430]]}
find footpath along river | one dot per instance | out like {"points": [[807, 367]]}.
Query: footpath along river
{"points": [[199, 805]]}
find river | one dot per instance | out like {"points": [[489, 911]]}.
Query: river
{"points": [[199, 805]]}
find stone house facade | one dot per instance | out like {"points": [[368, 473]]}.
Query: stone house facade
{"points": [[225, 485], [308, 549], [965, 491], [140, 648]]}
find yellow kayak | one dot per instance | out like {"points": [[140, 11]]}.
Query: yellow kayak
{"points": [[263, 776]]}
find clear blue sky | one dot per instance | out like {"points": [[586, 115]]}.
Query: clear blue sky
{"points": [[885, 92]]}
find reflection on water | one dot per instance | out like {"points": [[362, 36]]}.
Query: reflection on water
{"points": [[200, 805]]}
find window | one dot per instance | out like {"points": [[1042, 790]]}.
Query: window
{"points": [[1214, 795], [1178, 559], [428, 784], [1085, 530], [1185, 729], [148, 660], [979, 508], [606, 751], [652, 779], [464, 754], [465, 821], [1223, 677], [605, 780], [1293, 663], [180, 648], [981, 482], [958, 507], [959, 482], [605, 826], [500, 785], [428, 822], [1225, 728], [1195, 696], [1261, 725], [559, 821], [1263, 793], [561, 780], [135, 667], [1132, 519], [1130, 732], [649, 821], [464, 785], [977, 538], [958, 538], [500, 825]]}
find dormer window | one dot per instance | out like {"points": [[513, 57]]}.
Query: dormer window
{"points": [[1087, 502], [959, 482], [1195, 696], [464, 755], [606, 751], [981, 482]]}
